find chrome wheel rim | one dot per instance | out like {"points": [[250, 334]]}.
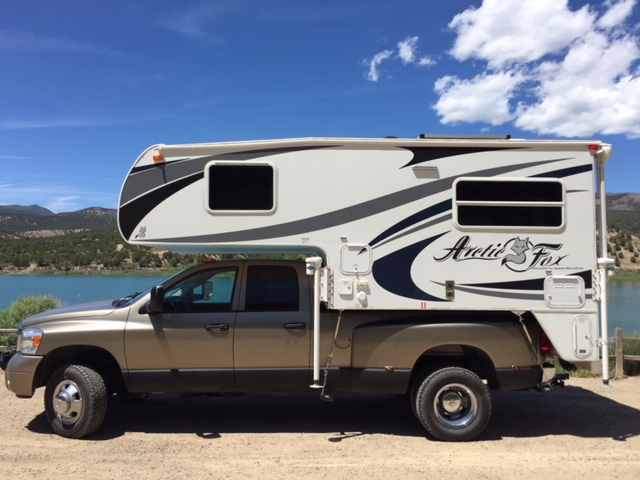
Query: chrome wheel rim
{"points": [[67, 402], [455, 405]]}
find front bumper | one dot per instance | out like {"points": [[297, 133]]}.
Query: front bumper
{"points": [[19, 374], [5, 357]]}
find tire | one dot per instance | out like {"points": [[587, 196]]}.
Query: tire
{"points": [[75, 401], [453, 404]]}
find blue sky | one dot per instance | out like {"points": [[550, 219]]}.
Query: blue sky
{"points": [[86, 86]]}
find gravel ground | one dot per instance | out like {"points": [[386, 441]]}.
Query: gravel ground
{"points": [[581, 430]]}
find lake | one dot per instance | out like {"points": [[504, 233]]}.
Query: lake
{"points": [[624, 302]]}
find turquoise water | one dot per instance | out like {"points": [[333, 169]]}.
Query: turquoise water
{"points": [[72, 290], [624, 304]]}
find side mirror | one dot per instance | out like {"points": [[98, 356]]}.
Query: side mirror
{"points": [[157, 299], [207, 290]]}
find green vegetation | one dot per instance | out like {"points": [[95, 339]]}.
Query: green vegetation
{"points": [[631, 367], [20, 309], [624, 247], [92, 250]]}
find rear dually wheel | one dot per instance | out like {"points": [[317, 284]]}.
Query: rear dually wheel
{"points": [[453, 404]]}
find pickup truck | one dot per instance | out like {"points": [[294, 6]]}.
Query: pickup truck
{"points": [[246, 326]]}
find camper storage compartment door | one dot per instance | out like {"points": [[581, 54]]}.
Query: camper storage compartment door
{"points": [[564, 292]]}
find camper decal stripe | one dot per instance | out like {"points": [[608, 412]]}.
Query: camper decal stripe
{"points": [[413, 219], [427, 154], [164, 165], [393, 272], [131, 214], [565, 172], [148, 181], [532, 284], [344, 215]]}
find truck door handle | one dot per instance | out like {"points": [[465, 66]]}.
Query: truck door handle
{"points": [[295, 326], [217, 327]]}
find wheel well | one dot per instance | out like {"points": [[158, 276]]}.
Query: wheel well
{"points": [[464, 356], [96, 358]]}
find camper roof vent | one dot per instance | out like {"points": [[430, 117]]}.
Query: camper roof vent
{"points": [[463, 137]]}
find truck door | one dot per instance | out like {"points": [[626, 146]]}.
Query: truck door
{"points": [[189, 346], [273, 329]]}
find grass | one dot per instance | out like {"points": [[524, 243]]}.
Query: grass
{"points": [[625, 275]]}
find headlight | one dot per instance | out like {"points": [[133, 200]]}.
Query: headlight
{"points": [[29, 341]]}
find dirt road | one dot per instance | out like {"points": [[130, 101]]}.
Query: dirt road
{"points": [[572, 433]]}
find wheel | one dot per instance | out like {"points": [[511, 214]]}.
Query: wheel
{"points": [[453, 404], [75, 401]]}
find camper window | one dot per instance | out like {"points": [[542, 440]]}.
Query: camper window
{"points": [[512, 203], [240, 188]]}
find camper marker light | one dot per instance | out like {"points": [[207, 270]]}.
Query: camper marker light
{"points": [[593, 147], [158, 157]]}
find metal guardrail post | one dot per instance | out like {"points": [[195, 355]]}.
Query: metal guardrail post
{"points": [[619, 354]]}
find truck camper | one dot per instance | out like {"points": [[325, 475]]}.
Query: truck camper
{"points": [[438, 268], [427, 224]]}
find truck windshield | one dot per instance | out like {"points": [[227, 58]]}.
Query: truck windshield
{"points": [[128, 299]]}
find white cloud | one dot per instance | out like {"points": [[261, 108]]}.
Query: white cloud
{"points": [[482, 99], [407, 53], [373, 74], [503, 32], [426, 61], [616, 14], [406, 49], [591, 90], [575, 79]]}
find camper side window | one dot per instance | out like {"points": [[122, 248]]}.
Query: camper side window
{"points": [[240, 188], [509, 203]]}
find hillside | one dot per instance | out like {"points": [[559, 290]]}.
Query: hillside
{"points": [[33, 221]]}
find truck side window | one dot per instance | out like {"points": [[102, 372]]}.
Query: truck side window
{"points": [[204, 291], [272, 288]]}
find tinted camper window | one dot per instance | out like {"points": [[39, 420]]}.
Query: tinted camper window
{"points": [[241, 187], [513, 203]]}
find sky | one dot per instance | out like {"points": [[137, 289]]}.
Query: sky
{"points": [[87, 85]]}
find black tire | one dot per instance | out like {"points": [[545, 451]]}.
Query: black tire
{"points": [[453, 404], [75, 401]]}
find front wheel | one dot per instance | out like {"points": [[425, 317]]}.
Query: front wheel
{"points": [[75, 401], [453, 404]]}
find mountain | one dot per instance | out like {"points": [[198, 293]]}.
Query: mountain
{"points": [[33, 221], [25, 210], [623, 201]]}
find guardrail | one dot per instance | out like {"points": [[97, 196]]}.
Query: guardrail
{"points": [[620, 356], [8, 330]]}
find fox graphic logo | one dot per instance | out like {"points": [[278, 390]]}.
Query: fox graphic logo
{"points": [[519, 247], [526, 255]]}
